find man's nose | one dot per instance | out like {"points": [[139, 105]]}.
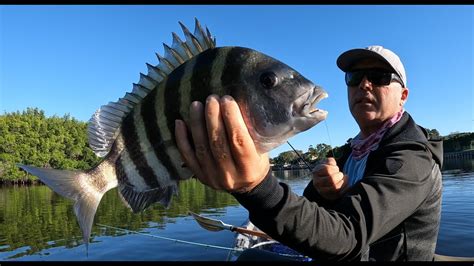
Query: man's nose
{"points": [[365, 84]]}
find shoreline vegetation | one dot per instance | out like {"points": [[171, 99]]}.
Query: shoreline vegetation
{"points": [[29, 137]]}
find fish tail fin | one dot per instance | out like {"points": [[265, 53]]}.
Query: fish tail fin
{"points": [[74, 185]]}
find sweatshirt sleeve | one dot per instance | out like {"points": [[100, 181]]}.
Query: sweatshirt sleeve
{"points": [[387, 195]]}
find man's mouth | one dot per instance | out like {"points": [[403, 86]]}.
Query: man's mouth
{"points": [[364, 101]]}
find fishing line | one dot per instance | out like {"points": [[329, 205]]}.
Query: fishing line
{"points": [[329, 138], [172, 239]]}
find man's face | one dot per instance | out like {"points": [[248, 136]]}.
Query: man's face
{"points": [[372, 104]]}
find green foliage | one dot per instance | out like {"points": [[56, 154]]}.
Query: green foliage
{"points": [[29, 137], [313, 154], [433, 133], [458, 142], [317, 153], [286, 157]]}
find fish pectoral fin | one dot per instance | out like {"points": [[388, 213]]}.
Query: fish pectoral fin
{"points": [[140, 200]]}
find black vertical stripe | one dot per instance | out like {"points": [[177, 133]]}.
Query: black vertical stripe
{"points": [[172, 96], [132, 146], [120, 172], [202, 75], [231, 75], [153, 132]]}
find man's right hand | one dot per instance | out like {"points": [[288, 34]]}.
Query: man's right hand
{"points": [[328, 180]]}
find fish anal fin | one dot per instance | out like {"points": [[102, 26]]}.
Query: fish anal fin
{"points": [[140, 200]]}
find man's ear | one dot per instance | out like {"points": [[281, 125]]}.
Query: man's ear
{"points": [[404, 97]]}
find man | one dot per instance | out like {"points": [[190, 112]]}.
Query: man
{"points": [[385, 203]]}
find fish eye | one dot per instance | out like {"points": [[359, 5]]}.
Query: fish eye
{"points": [[268, 80]]}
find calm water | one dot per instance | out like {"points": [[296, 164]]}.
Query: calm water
{"points": [[36, 224]]}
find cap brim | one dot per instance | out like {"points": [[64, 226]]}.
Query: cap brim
{"points": [[347, 59]]}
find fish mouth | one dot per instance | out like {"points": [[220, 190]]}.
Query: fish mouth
{"points": [[308, 108]]}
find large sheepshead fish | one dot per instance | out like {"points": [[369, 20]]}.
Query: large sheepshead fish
{"points": [[135, 135]]}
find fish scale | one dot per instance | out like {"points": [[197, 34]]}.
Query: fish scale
{"points": [[135, 135]]}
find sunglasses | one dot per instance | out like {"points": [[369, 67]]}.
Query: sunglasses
{"points": [[378, 77]]}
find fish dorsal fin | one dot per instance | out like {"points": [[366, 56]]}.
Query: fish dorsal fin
{"points": [[104, 125]]}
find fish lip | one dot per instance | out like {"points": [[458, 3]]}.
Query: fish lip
{"points": [[308, 109]]}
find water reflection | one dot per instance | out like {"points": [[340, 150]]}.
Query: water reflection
{"points": [[34, 218], [37, 224]]}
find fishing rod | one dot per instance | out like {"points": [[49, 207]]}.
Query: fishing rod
{"points": [[330, 144], [297, 153], [171, 239]]}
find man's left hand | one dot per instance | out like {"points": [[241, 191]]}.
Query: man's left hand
{"points": [[224, 155]]}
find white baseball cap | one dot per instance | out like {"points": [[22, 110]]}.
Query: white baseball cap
{"points": [[347, 59]]}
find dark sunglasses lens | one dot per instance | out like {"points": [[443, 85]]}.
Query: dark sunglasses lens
{"points": [[354, 78], [379, 78], [375, 77]]}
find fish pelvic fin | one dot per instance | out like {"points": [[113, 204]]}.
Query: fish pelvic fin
{"points": [[80, 186]]}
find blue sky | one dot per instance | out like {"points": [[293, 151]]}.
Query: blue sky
{"points": [[73, 59]]}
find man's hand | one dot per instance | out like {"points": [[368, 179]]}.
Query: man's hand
{"points": [[224, 156], [328, 180]]}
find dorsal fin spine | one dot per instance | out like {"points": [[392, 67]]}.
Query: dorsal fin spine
{"points": [[166, 62], [181, 47], [132, 97], [147, 82], [163, 67], [200, 35], [140, 90], [197, 44], [170, 56], [119, 106], [160, 75], [175, 54], [189, 40], [105, 124]]}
